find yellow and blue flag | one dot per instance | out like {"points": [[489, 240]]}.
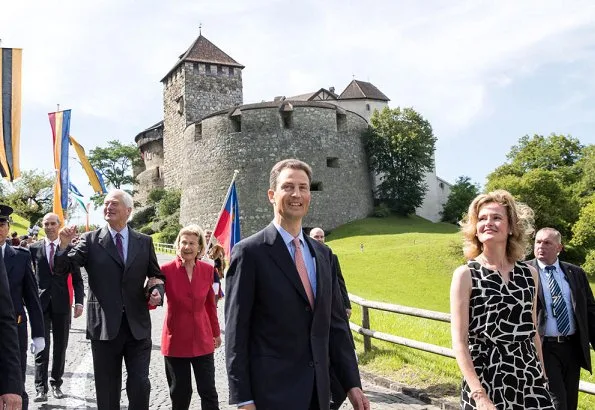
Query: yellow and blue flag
{"points": [[60, 123], [10, 112], [94, 180]]}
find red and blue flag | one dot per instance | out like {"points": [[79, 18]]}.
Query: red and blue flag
{"points": [[227, 229]]}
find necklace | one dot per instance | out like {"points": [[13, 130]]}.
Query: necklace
{"points": [[502, 267]]}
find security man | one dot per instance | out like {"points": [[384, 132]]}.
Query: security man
{"points": [[24, 293]]}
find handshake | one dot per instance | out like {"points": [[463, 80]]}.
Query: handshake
{"points": [[37, 344]]}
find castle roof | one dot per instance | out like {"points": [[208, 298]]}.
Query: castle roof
{"points": [[203, 51], [322, 94], [361, 90], [151, 128]]}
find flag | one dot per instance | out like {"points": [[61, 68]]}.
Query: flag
{"points": [[10, 112], [227, 229], [100, 178], [75, 190], [60, 123], [82, 204], [91, 174]]}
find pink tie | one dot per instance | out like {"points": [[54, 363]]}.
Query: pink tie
{"points": [[303, 272], [52, 251]]}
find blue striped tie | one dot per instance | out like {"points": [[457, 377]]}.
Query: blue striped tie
{"points": [[558, 304]]}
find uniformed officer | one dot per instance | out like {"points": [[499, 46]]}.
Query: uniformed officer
{"points": [[24, 293]]}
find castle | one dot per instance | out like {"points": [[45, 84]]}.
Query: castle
{"points": [[208, 132]]}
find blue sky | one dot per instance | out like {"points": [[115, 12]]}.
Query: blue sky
{"points": [[484, 73]]}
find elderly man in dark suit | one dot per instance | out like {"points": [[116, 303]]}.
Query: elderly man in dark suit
{"points": [[11, 384], [55, 302], [118, 261], [23, 290], [565, 318], [285, 322]]}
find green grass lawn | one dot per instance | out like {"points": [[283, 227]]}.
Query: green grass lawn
{"points": [[406, 261]]}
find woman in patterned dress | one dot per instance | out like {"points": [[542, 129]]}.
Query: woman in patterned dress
{"points": [[492, 303]]}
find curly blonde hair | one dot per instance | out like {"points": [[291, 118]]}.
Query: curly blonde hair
{"points": [[520, 221]]}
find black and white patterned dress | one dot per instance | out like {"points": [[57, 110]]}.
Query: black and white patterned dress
{"points": [[501, 334]]}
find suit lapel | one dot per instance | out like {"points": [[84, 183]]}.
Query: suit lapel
{"points": [[540, 297], [280, 254], [106, 241], [133, 247], [570, 277]]}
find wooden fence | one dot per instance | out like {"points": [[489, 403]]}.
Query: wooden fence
{"points": [[164, 247], [369, 334]]}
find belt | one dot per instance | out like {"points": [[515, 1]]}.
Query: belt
{"points": [[558, 339]]}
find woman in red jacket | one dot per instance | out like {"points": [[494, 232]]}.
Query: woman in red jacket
{"points": [[191, 329]]}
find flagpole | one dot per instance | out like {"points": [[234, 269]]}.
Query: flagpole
{"points": [[233, 179]]}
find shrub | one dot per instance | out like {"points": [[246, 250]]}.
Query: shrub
{"points": [[147, 230], [382, 211], [142, 216]]}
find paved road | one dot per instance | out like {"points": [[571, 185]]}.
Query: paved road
{"points": [[80, 389]]}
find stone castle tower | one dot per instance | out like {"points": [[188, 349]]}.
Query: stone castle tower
{"points": [[202, 81], [207, 133]]}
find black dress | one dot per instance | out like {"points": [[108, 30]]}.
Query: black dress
{"points": [[501, 332]]}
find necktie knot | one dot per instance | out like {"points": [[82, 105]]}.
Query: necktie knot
{"points": [[549, 269]]}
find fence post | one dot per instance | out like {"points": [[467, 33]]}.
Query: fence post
{"points": [[366, 325]]}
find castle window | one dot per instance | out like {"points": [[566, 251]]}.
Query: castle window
{"points": [[367, 107], [198, 131], [316, 186], [230, 71], [441, 185], [219, 70], [341, 122], [195, 66], [180, 102], [287, 118], [236, 123], [207, 68], [332, 162]]}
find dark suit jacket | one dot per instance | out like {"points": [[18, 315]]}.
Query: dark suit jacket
{"points": [[336, 266], [23, 288], [10, 357], [583, 307], [54, 288], [277, 349], [113, 287]]}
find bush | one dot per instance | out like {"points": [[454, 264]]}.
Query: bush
{"points": [[170, 233], [147, 230], [142, 216], [169, 204], [382, 211], [156, 195]]}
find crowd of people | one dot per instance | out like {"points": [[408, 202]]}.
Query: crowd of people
{"points": [[520, 330]]}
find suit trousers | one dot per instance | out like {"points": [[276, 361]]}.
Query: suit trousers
{"points": [[107, 369], [562, 366], [59, 326], [23, 347], [177, 370]]}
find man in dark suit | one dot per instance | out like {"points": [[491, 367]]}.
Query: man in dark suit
{"points": [[11, 384], [55, 303], [318, 234], [338, 394], [23, 290], [118, 261], [565, 318], [285, 322]]}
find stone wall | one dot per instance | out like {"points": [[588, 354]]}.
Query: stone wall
{"points": [[149, 175], [174, 123], [341, 186]]}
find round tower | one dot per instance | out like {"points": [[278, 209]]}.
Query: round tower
{"points": [[252, 138]]}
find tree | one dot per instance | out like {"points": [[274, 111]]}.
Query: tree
{"points": [[31, 195], [546, 193], [584, 235], [400, 146], [461, 195], [115, 162]]}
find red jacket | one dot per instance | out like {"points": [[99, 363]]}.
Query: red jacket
{"points": [[191, 321]]}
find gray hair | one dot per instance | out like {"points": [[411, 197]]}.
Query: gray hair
{"points": [[124, 196]]}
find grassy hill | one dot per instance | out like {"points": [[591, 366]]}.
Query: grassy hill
{"points": [[406, 261]]}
